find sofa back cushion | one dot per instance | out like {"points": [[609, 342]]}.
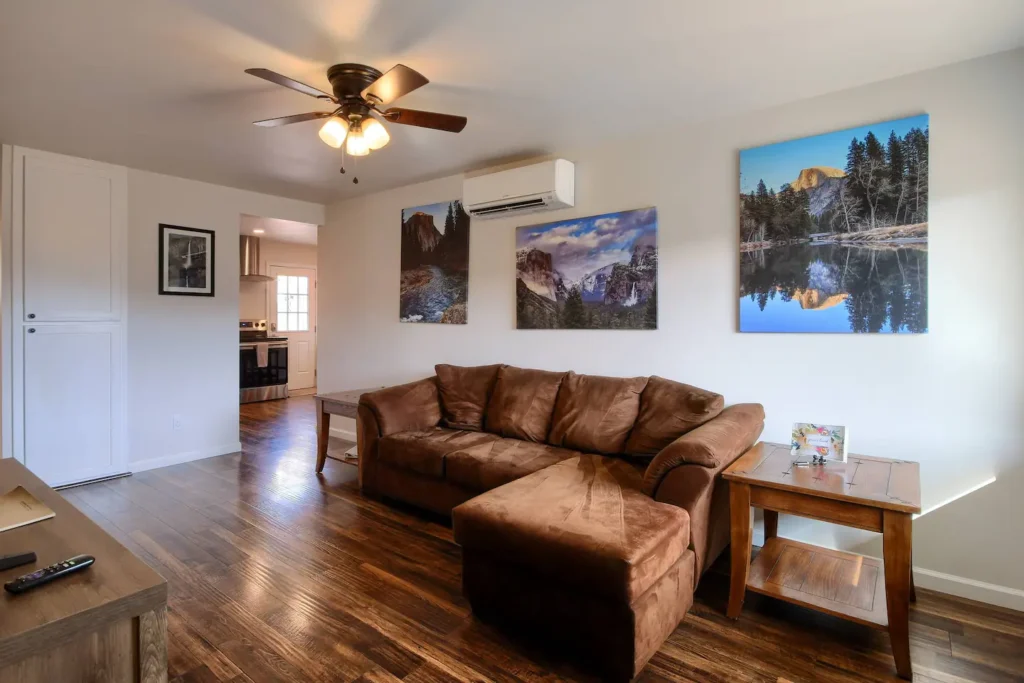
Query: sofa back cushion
{"points": [[522, 403], [595, 413], [667, 411], [464, 394]]}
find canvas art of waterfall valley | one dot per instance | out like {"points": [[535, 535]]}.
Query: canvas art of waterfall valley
{"points": [[834, 231], [595, 273]]}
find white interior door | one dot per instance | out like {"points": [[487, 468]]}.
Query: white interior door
{"points": [[73, 418], [293, 315]]}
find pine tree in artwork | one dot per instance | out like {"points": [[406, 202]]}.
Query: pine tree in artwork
{"points": [[449, 221], [896, 164], [574, 317]]}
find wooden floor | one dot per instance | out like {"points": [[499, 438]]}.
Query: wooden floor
{"points": [[278, 575]]}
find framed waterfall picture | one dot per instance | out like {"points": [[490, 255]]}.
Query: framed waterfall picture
{"points": [[589, 273], [186, 261], [834, 231]]}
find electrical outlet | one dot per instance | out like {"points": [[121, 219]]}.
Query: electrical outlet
{"points": [[176, 423]]}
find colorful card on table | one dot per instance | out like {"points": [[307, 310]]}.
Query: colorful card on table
{"points": [[827, 441]]}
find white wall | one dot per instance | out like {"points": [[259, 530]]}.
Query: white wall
{"points": [[252, 296], [952, 398], [183, 351]]}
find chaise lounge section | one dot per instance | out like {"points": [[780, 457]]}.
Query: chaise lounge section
{"points": [[587, 507]]}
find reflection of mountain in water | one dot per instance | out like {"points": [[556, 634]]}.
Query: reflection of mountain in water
{"points": [[882, 289], [814, 299]]}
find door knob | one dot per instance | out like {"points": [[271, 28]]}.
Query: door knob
{"points": [[31, 330], [31, 316]]}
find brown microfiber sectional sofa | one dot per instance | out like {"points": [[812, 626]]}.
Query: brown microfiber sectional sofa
{"points": [[587, 507]]}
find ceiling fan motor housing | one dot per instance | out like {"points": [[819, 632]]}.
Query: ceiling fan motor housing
{"points": [[349, 80]]}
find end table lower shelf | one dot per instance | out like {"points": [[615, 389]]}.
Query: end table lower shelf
{"points": [[842, 584]]}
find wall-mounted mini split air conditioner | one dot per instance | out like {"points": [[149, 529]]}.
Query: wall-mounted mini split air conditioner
{"points": [[539, 187]]}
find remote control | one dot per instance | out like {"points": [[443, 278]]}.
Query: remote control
{"points": [[12, 561], [48, 574]]}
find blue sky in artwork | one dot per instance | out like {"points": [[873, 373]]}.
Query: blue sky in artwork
{"points": [[439, 211], [579, 246], [782, 162]]}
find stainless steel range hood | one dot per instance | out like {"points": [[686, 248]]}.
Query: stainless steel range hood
{"points": [[249, 260]]}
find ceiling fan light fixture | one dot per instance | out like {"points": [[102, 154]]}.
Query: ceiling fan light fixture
{"points": [[374, 132], [334, 132], [357, 145]]}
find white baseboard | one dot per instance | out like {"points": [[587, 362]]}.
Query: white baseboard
{"points": [[346, 434], [187, 456], [990, 593], [993, 594]]}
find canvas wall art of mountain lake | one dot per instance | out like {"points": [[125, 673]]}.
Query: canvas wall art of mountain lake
{"points": [[834, 231], [435, 264], [597, 273]]}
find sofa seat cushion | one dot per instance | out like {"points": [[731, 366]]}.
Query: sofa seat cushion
{"points": [[595, 414], [494, 463], [464, 394], [423, 451], [583, 521], [667, 411], [522, 403]]}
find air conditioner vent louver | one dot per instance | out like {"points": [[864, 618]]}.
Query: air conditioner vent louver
{"points": [[511, 206]]}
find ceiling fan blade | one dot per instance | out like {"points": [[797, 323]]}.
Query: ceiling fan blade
{"points": [[294, 118], [274, 77], [399, 81], [426, 119]]}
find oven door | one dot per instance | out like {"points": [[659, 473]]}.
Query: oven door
{"points": [[266, 383]]}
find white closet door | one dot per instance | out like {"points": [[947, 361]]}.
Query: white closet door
{"points": [[73, 417], [69, 218]]}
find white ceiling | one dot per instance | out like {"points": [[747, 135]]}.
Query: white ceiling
{"points": [[278, 229], [159, 84]]}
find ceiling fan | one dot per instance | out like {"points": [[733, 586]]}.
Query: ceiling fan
{"points": [[359, 92]]}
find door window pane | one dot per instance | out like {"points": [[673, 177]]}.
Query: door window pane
{"points": [[292, 303]]}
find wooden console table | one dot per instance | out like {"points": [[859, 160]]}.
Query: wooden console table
{"points": [[867, 493], [343, 403], [107, 622]]}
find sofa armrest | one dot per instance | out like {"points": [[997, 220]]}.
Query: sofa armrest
{"points": [[686, 474], [405, 407], [713, 445]]}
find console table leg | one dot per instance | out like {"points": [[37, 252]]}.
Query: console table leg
{"points": [[323, 432], [771, 524], [896, 551], [152, 646], [739, 515]]}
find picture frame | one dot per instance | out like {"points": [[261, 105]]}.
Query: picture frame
{"points": [[824, 443], [186, 260]]}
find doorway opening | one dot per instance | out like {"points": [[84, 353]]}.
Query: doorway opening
{"points": [[277, 309]]}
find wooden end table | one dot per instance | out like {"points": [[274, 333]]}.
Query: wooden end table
{"points": [[876, 494], [343, 403]]}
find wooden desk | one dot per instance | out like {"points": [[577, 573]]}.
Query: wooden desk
{"points": [[867, 493], [343, 403], [106, 623]]}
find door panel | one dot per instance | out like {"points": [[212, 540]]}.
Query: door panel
{"points": [[293, 315], [68, 217], [72, 419]]}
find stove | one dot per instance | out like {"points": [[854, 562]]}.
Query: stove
{"points": [[263, 363]]}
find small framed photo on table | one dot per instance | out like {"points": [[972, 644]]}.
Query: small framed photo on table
{"points": [[186, 261], [821, 443]]}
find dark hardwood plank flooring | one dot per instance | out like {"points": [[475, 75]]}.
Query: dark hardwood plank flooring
{"points": [[279, 575]]}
